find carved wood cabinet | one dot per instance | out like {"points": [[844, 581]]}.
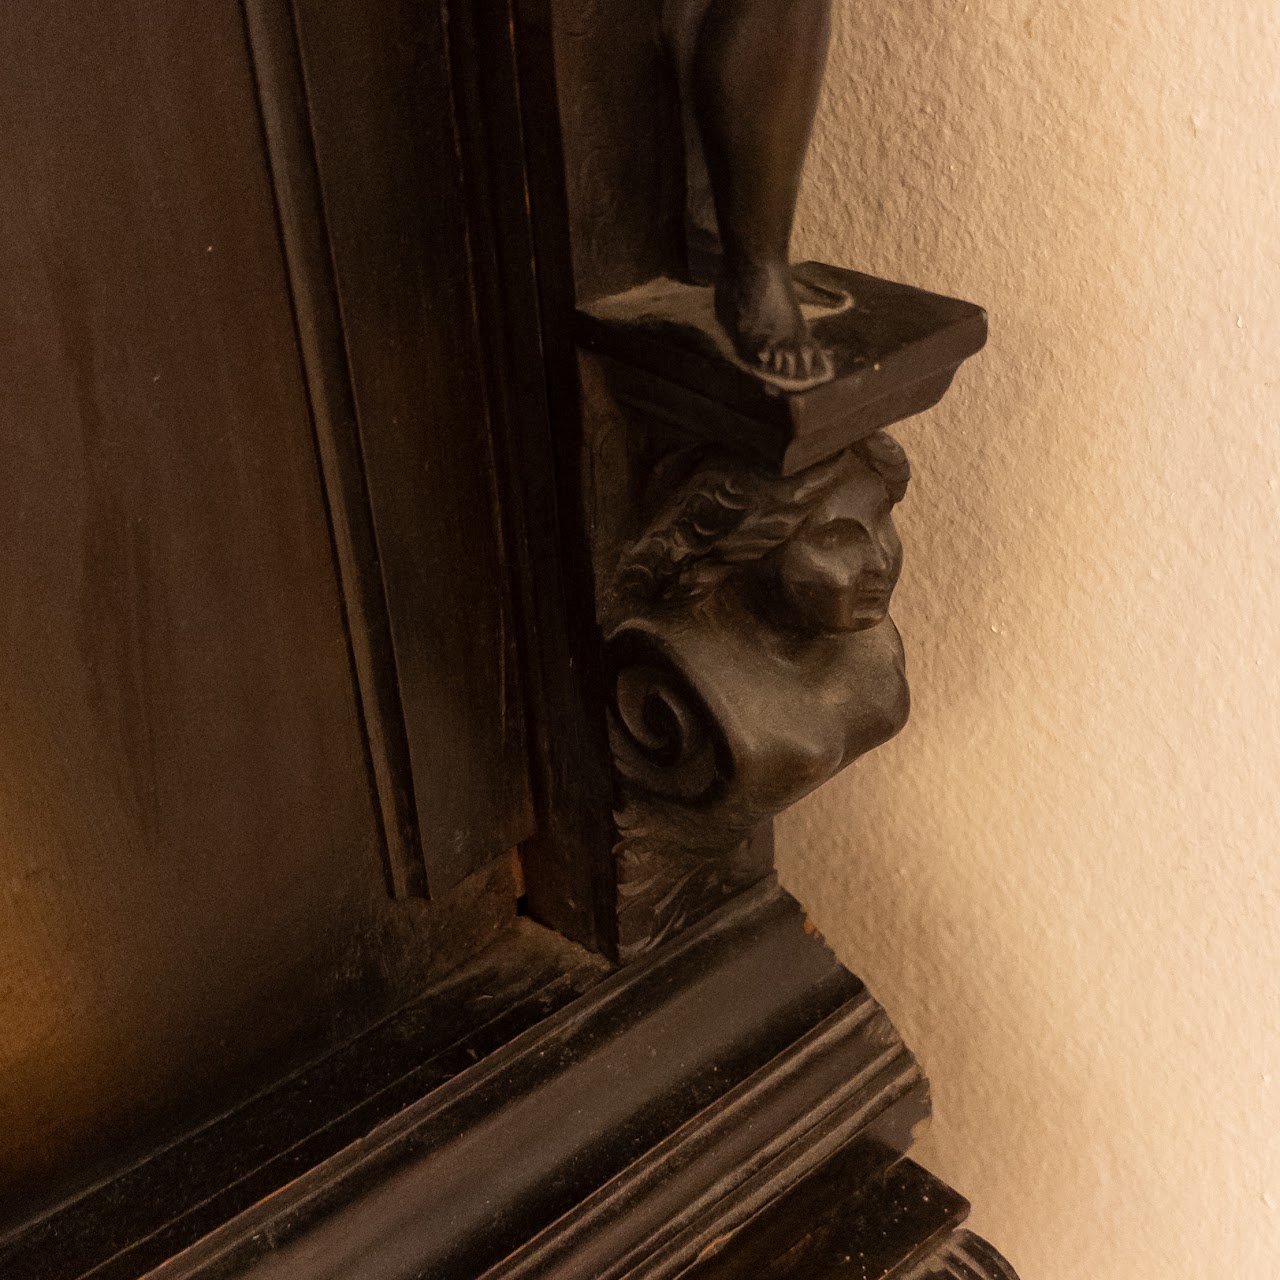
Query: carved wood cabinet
{"points": [[415, 608]]}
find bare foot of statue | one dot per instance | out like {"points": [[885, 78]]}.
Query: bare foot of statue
{"points": [[758, 306], [750, 72]]}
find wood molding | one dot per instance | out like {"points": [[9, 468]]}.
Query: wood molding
{"points": [[663, 1110]]}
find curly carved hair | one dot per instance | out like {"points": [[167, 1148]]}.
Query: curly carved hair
{"points": [[728, 514]]}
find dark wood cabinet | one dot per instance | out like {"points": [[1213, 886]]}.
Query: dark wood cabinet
{"points": [[310, 949]]}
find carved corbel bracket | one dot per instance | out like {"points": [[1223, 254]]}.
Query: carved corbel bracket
{"points": [[751, 658]]}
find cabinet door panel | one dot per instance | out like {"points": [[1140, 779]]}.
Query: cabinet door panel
{"points": [[191, 889]]}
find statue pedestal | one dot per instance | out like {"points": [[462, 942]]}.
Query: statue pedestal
{"points": [[894, 349]]}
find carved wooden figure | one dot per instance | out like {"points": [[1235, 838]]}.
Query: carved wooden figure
{"points": [[750, 72], [752, 658]]}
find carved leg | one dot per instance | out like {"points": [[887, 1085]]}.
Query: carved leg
{"points": [[756, 73]]}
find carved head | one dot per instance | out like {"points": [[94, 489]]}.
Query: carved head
{"points": [[815, 553], [837, 570]]}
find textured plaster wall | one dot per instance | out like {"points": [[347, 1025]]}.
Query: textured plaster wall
{"points": [[1063, 878]]}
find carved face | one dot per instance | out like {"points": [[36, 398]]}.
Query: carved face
{"points": [[838, 570]]}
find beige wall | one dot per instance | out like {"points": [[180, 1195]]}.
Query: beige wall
{"points": [[1062, 878]]}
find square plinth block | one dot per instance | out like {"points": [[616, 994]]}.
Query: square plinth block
{"points": [[894, 350]]}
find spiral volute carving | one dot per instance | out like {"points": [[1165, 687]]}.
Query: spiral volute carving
{"points": [[665, 740]]}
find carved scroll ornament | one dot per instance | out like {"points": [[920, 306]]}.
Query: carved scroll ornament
{"points": [[752, 657]]}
